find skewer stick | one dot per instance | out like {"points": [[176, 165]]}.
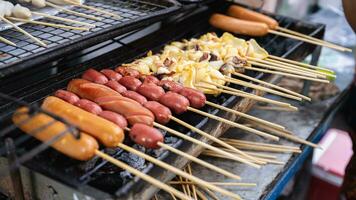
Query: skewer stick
{"points": [[234, 124], [199, 161], [298, 63], [63, 19], [72, 12], [274, 108], [6, 41], [287, 74], [211, 194], [304, 39], [210, 137], [277, 126], [291, 69], [217, 183], [193, 186], [261, 155], [23, 31], [236, 141], [201, 195], [48, 24], [173, 197], [312, 38], [138, 173], [291, 66], [187, 186], [287, 136], [272, 85], [260, 64], [263, 148], [207, 146], [235, 92], [261, 88], [178, 171], [93, 9]]}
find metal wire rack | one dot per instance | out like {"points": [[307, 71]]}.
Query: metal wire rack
{"points": [[133, 14]]}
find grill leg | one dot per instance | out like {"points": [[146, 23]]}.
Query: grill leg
{"points": [[15, 174], [314, 61]]}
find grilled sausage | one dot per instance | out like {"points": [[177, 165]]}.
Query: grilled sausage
{"points": [[250, 15], [88, 106], [135, 96], [196, 98], [133, 111], [88, 90], [130, 82], [116, 86], [67, 96], [170, 86], [146, 136], [151, 91], [109, 99], [95, 76], [161, 112], [238, 26], [111, 74], [115, 118], [105, 131], [126, 71], [149, 79], [80, 149], [175, 102]]}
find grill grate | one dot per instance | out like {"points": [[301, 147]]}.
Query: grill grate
{"points": [[130, 11]]}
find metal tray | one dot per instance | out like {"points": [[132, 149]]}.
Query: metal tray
{"points": [[61, 42]]}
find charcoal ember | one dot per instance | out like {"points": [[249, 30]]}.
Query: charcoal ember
{"points": [[126, 176], [170, 140], [155, 152], [109, 182], [133, 160]]}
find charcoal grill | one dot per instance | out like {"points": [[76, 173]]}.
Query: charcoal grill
{"points": [[60, 177]]}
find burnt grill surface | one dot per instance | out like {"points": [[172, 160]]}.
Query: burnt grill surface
{"points": [[27, 53], [95, 177]]}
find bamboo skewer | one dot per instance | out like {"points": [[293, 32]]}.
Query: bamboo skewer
{"points": [[63, 19], [274, 108], [312, 38], [179, 172], [236, 141], [262, 148], [287, 74], [210, 137], [235, 92], [261, 155], [286, 67], [173, 197], [304, 39], [298, 63], [23, 31], [210, 193], [138, 173], [292, 66], [261, 88], [272, 85], [199, 161], [72, 12], [277, 126], [201, 195], [49, 24], [93, 9], [193, 186], [207, 146], [287, 135], [217, 183], [6, 41], [234, 124], [266, 66]]}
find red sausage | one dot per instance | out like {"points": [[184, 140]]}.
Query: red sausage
{"points": [[130, 82], [170, 86], [135, 96], [111, 74], [196, 98], [67, 96], [161, 112], [146, 136], [114, 117], [126, 71], [176, 102], [151, 91], [95, 76], [89, 106], [116, 86], [149, 79]]}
